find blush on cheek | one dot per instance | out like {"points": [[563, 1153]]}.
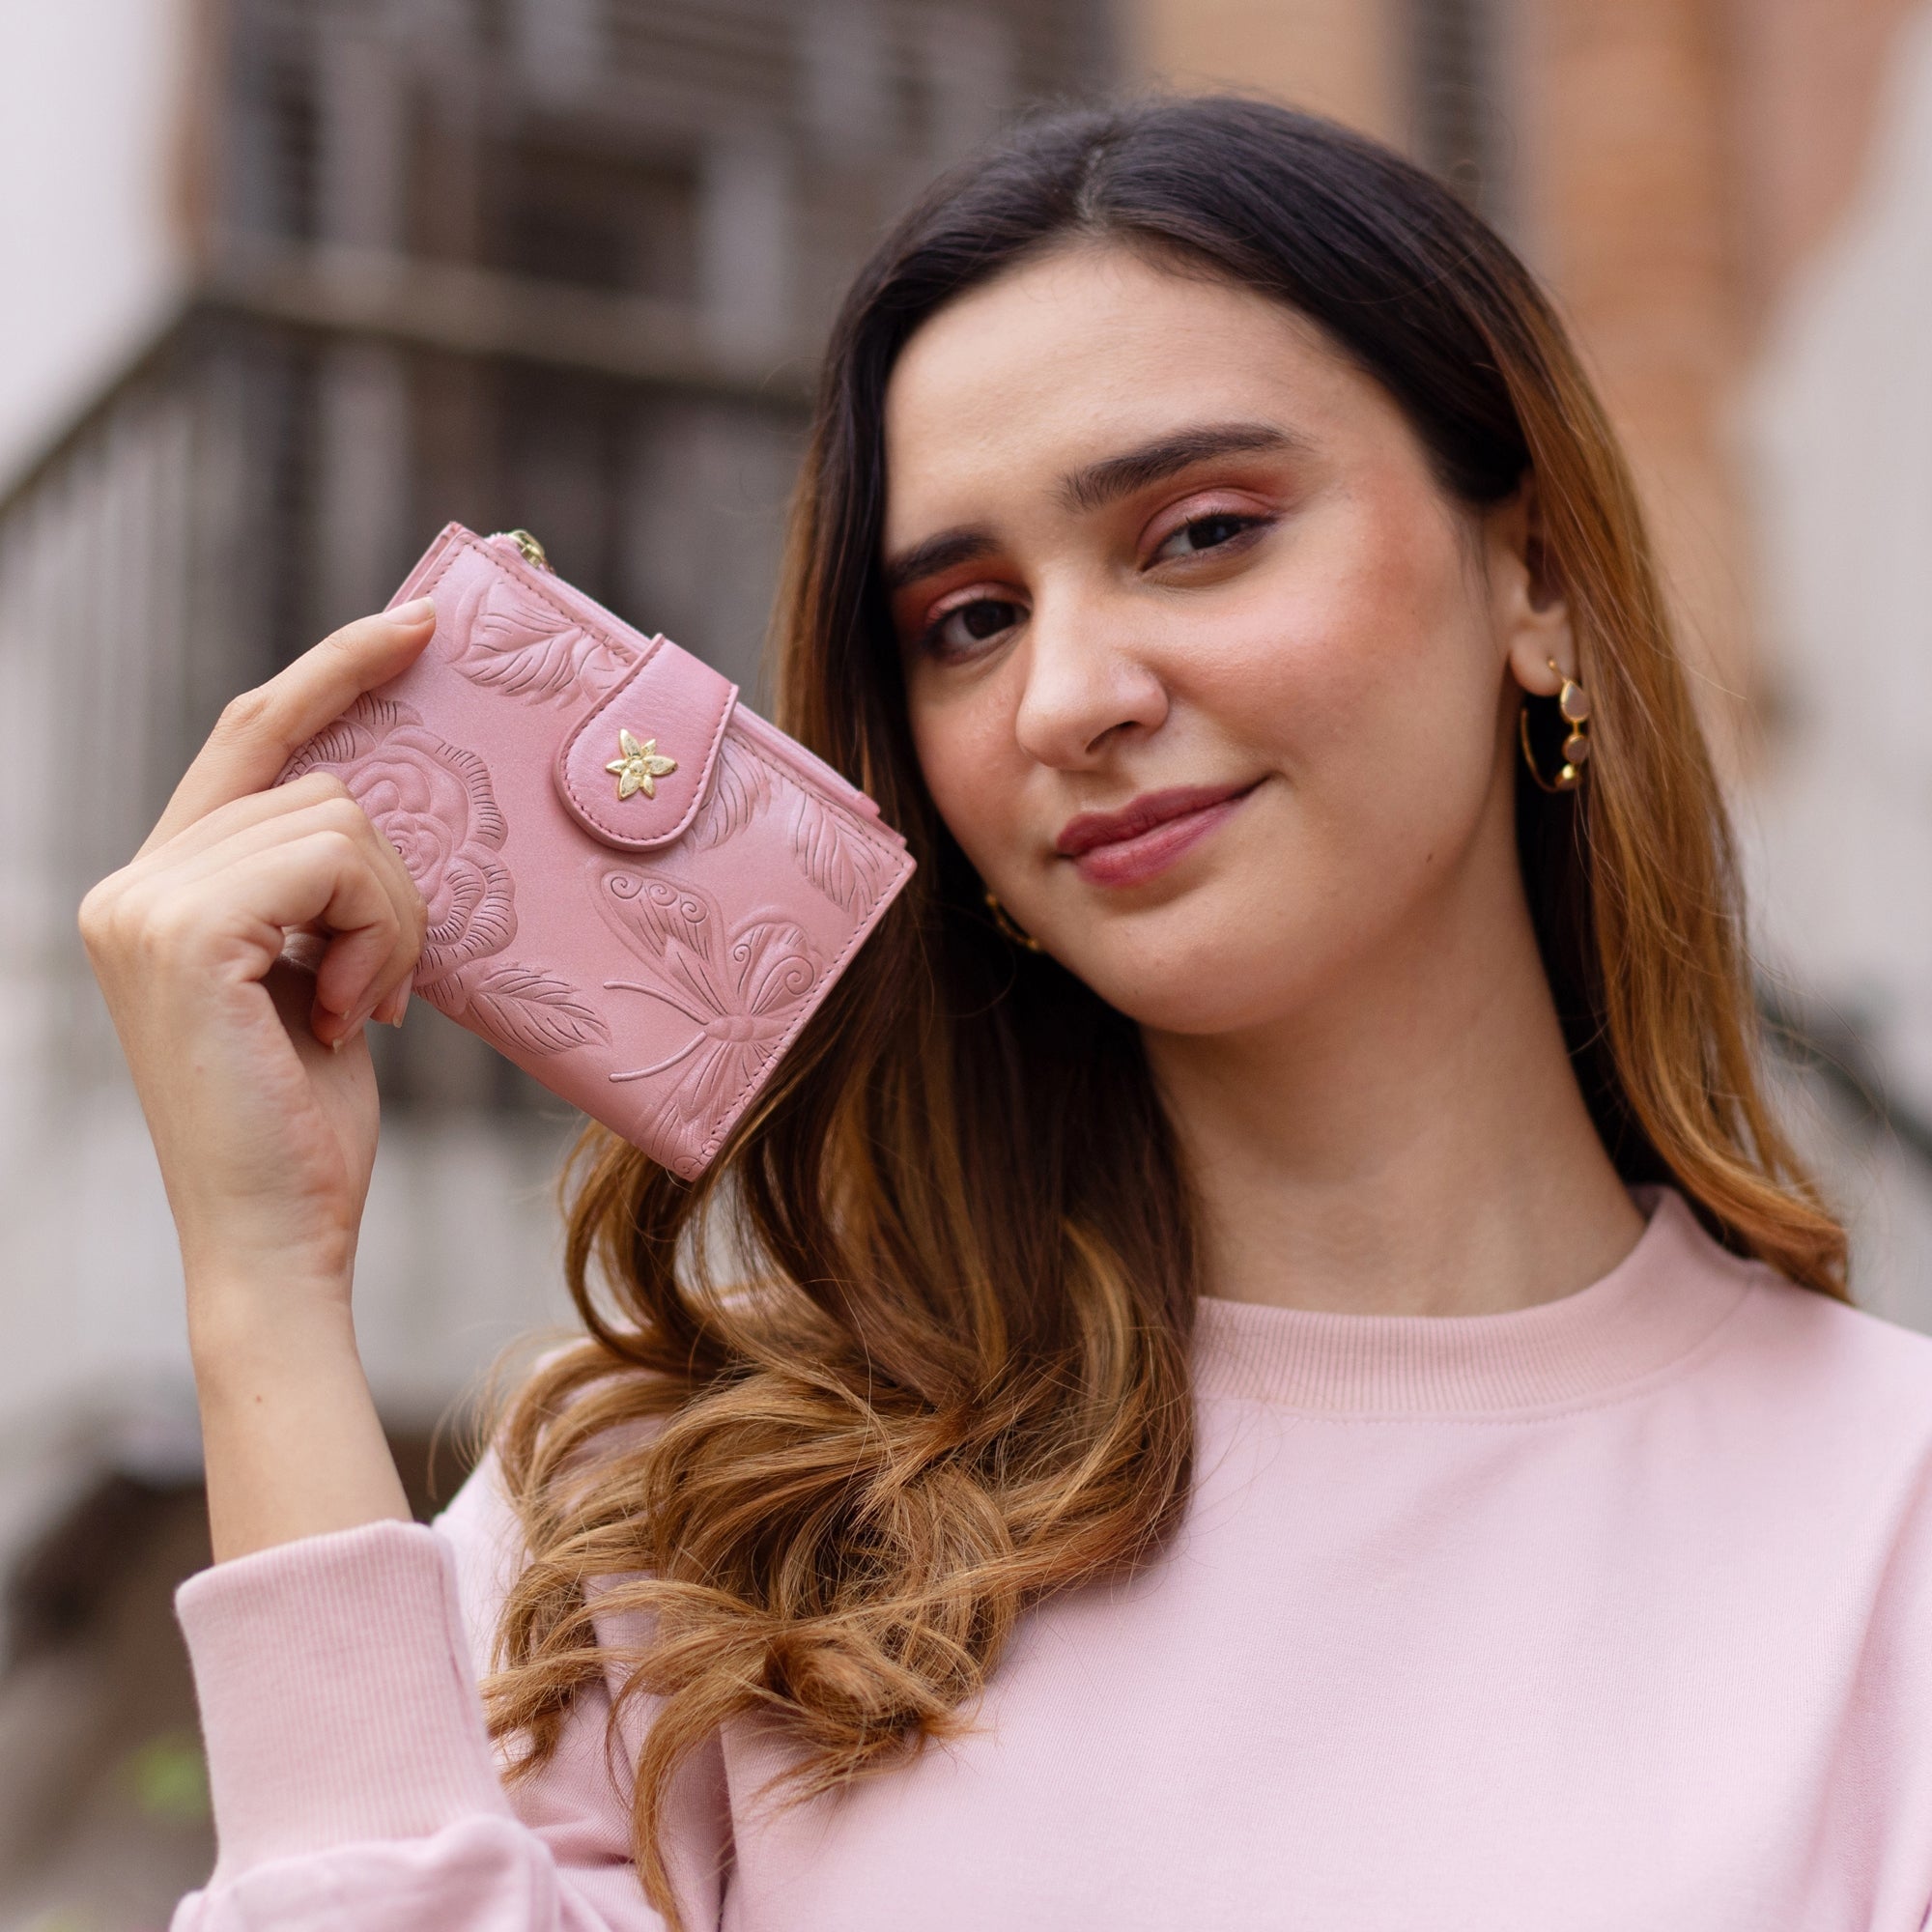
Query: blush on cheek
{"points": [[972, 767], [1342, 657]]}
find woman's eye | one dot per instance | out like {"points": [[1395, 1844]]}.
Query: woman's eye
{"points": [[976, 623], [1202, 533]]}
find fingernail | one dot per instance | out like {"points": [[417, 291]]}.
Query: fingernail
{"points": [[416, 612], [402, 1007]]}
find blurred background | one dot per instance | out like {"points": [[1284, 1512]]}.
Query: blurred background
{"points": [[292, 282]]}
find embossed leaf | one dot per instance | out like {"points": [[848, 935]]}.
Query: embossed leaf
{"points": [[535, 1011], [447, 992], [516, 641], [841, 864], [741, 784]]}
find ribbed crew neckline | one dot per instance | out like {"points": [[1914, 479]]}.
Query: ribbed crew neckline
{"points": [[1671, 1292]]}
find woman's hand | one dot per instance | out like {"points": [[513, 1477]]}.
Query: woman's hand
{"points": [[240, 952]]}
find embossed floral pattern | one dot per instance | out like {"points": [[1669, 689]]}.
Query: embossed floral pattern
{"points": [[845, 867], [432, 802], [742, 785], [520, 642], [522, 1005], [740, 987], [842, 863]]}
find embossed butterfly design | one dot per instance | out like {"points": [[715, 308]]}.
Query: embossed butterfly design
{"points": [[741, 987]]}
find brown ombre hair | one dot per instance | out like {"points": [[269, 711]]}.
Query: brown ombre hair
{"points": [[915, 1354]]}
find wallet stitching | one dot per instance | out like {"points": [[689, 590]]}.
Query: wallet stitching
{"points": [[530, 579], [660, 839], [904, 865], [651, 647], [535, 582], [438, 570]]}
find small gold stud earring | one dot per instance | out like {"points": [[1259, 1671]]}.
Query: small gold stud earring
{"points": [[1009, 926], [1573, 705]]}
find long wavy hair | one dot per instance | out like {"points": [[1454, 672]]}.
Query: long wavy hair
{"points": [[914, 1353]]}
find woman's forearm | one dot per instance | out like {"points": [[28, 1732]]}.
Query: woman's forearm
{"points": [[290, 1433], [256, 1082]]}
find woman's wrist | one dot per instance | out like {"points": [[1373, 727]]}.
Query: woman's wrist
{"points": [[292, 1440], [260, 1321]]}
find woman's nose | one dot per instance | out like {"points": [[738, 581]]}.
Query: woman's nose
{"points": [[1087, 684]]}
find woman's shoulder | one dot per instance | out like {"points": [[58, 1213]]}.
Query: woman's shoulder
{"points": [[1836, 1360], [483, 1528]]}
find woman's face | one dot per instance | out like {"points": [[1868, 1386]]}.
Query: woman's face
{"points": [[1208, 676]]}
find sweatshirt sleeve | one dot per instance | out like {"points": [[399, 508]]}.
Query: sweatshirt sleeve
{"points": [[353, 1779]]}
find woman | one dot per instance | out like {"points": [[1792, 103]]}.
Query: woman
{"points": [[1274, 1367]]}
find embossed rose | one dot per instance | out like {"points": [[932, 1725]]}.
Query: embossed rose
{"points": [[431, 801]]}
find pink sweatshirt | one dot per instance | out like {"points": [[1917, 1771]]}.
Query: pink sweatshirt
{"points": [[1615, 1612]]}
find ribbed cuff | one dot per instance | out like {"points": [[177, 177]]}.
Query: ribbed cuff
{"points": [[338, 1700]]}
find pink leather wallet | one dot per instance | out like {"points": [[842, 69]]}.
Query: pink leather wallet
{"points": [[638, 890]]}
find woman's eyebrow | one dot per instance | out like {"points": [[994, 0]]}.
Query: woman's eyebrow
{"points": [[1096, 485], [932, 555], [1114, 476]]}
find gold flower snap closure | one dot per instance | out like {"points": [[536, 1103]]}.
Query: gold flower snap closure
{"points": [[639, 767]]}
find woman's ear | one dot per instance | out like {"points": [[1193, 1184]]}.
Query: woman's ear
{"points": [[1527, 605]]}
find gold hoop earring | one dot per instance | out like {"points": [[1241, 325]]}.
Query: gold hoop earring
{"points": [[1010, 927], [1573, 705]]}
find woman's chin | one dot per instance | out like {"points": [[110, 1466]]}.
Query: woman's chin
{"points": [[1202, 985]]}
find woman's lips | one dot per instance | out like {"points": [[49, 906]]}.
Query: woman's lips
{"points": [[1130, 846]]}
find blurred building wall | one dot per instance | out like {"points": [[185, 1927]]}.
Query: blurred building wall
{"points": [[1837, 424], [1342, 58], [93, 229]]}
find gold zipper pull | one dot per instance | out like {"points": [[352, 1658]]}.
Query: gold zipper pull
{"points": [[532, 551]]}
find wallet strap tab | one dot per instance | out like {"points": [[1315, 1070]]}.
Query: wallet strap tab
{"points": [[636, 766]]}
